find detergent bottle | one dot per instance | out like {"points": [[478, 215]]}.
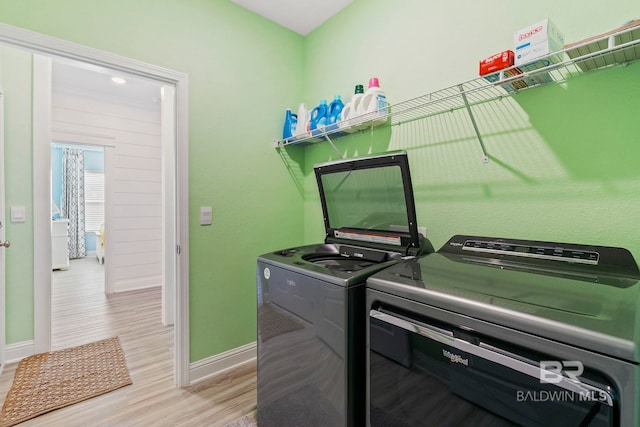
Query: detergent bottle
{"points": [[334, 111], [374, 104], [302, 126], [356, 100], [344, 116], [290, 123], [352, 109], [318, 119]]}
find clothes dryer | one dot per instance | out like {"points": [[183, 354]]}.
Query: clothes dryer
{"points": [[503, 332]]}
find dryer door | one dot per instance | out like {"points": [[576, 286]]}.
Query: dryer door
{"points": [[433, 374]]}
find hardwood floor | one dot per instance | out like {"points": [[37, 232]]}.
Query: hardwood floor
{"points": [[81, 313]]}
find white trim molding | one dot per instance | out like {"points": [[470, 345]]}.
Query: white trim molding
{"points": [[211, 366], [18, 351], [3, 312], [168, 135], [181, 320], [129, 285], [42, 68], [48, 45], [51, 46]]}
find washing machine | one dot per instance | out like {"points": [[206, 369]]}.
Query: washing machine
{"points": [[311, 299], [501, 332]]}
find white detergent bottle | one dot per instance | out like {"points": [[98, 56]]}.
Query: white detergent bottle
{"points": [[303, 121], [374, 104], [344, 116], [355, 109]]}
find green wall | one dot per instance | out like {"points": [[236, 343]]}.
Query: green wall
{"points": [[240, 82], [565, 159], [15, 79]]}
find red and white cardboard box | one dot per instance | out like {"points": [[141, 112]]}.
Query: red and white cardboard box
{"points": [[534, 41], [496, 62]]}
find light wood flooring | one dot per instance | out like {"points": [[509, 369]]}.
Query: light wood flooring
{"points": [[81, 313]]}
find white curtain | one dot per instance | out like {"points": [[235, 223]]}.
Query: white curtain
{"points": [[72, 200]]}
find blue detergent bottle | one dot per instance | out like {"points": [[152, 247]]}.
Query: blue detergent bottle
{"points": [[290, 123], [335, 109], [318, 117]]}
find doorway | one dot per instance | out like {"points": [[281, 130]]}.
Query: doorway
{"points": [[77, 217], [107, 128], [44, 49], [77, 247], [106, 176]]}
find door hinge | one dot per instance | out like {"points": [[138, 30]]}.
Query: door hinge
{"points": [[178, 249]]}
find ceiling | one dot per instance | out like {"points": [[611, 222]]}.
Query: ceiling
{"points": [[301, 16]]}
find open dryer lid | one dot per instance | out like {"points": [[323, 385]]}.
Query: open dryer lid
{"points": [[368, 201]]}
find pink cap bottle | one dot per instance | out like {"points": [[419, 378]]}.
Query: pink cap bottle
{"points": [[374, 104]]}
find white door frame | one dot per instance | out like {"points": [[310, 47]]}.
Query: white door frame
{"points": [[41, 202], [2, 237], [48, 46], [167, 134]]}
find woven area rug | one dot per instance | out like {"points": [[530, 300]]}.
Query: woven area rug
{"points": [[48, 381]]}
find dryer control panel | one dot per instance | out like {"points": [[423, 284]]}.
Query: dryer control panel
{"points": [[555, 253], [596, 260]]}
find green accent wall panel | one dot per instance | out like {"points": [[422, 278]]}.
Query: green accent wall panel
{"points": [[564, 159], [16, 83], [243, 72]]}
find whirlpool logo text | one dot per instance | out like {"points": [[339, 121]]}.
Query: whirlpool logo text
{"points": [[455, 358]]}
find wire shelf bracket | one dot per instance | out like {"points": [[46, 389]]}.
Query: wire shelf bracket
{"points": [[485, 157]]}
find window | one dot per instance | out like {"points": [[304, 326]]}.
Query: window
{"points": [[93, 200]]}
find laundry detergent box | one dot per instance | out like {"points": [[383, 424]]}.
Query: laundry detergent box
{"points": [[491, 67], [537, 40], [496, 62]]}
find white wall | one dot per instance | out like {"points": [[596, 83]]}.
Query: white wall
{"points": [[133, 181]]}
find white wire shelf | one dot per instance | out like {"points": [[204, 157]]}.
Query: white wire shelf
{"points": [[613, 49]]}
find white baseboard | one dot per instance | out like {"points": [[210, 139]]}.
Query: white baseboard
{"points": [[198, 371], [137, 284], [214, 365], [18, 351], [124, 291]]}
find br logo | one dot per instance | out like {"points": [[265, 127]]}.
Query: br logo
{"points": [[553, 371]]}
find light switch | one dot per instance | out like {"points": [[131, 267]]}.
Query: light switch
{"points": [[206, 215], [18, 214]]}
